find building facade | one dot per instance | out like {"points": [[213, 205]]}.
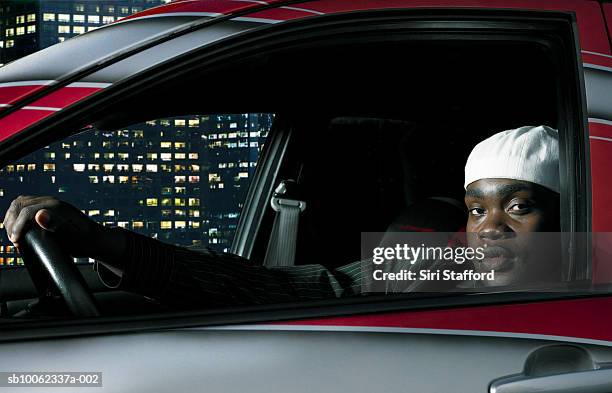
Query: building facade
{"points": [[27, 26], [182, 180]]}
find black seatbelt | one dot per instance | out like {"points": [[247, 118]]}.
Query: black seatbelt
{"points": [[283, 239]]}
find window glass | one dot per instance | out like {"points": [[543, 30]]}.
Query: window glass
{"points": [[116, 178]]}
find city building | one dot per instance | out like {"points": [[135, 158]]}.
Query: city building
{"points": [[182, 180], [27, 26]]}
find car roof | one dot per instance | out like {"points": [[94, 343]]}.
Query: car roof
{"points": [[31, 80]]}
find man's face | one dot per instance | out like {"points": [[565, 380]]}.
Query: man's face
{"points": [[501, 215]]}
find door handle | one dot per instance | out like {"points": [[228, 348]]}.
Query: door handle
{"points": [[558, 369], [595, 381]]}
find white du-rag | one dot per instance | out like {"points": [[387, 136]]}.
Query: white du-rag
{"points": [[525, 153]]}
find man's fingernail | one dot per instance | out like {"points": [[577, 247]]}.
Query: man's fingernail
{"points": [[43, 218]]}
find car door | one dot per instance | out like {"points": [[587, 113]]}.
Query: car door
{"points": [[508, 341]]}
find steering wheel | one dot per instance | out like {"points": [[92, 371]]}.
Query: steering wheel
{"points": [[45, 259]]}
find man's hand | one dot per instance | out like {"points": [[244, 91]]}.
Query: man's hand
{"points": [[80, 236]]}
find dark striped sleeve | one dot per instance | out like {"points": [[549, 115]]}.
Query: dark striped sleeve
{"points": [[183, 278]]}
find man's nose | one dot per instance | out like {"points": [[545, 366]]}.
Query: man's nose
{"points": [[494, 227]]}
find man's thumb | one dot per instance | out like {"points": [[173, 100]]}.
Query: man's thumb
{"points": [[43, 218]]}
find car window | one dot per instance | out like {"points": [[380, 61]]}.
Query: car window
{"points": [[374, 146], [181, 179]]}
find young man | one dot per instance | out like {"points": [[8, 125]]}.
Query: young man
{"points": [[512, 188]]}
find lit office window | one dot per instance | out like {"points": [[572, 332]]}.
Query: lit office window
{"points": [[166, 156], [110, 8], [79, 7], [63, 17], [151, 201], [48, 167], [20, 31], [78, 167], [194, 202], [165, 225], [151, 156], [180, 224], [108, 19], [93, 179], [194, 123], [91, 28], [31, 29], [124, 10], [20, 19], [31, 18], [10, 32], [165, 145], [194, 224], [109, 213], [93, 18], [61, 39], [63, 29], [179, 122], [180, 156], [93, 213], [193, 156], [179, 179], [151, 167], [48, 17], [78, 29], [78, 18], [137, 167], [1, 44], [137, 225]]}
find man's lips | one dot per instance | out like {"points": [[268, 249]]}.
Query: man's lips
{"points": [[497, 258]]}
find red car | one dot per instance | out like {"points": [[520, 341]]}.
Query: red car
{"points": [[372, 106]]}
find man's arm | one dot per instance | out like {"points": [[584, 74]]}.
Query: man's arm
{"points": [[183, 278], [176, 276]]}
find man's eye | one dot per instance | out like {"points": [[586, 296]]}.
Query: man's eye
{"points": [[519, 207], [477, 211]]}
